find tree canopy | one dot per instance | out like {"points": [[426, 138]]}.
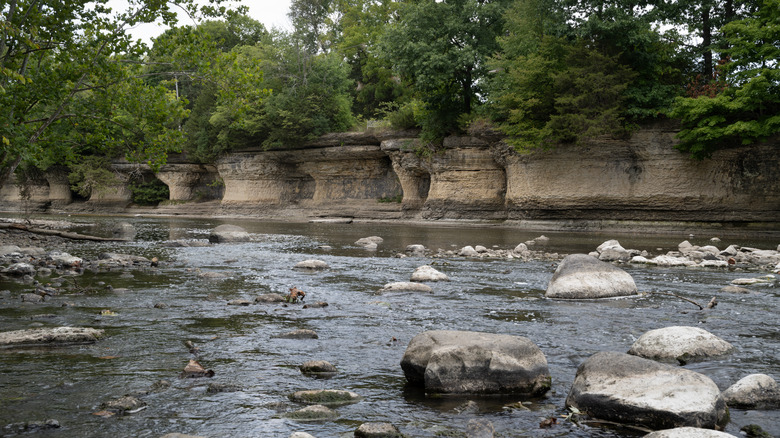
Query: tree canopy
{"points": [[78, 91]]}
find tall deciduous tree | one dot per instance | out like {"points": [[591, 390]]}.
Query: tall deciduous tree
{"points": [[440, 48]]}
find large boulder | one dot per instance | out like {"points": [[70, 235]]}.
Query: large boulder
{"points": [[679, 343], [756, 391], [629, 389], [50, 336], [229, 233], [580, 276], [688, 432], [445, 361]]}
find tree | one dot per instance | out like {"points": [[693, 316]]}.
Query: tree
{"points": [[747, 110], [62, 66], [440, 49]]}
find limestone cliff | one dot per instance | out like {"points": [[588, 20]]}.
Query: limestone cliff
{"points": [[389, 175]]}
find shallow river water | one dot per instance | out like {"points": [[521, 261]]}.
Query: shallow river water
{"points": [[363, 333]]}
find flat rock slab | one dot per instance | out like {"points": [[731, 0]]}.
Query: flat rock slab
{"points": [[314, 413], [629, 389], [679, 343], [463, 362], [327, 397], [377, 430], [580, 276], [756, 391], [406, 286], [318, 367], [688, 432], [50, 336], [312, 265]]}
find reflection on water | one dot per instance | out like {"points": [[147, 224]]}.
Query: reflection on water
{"points": [[363, 333]]}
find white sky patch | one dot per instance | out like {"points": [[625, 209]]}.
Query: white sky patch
{"points": [[272, 13]]}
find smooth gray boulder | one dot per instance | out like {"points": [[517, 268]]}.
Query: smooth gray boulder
{"points": [[50, 336], [416, 250], [629, 389], [318, 367], [406, 286], [449, 361], [311, 265], [688, 432], [370, 241], [611, 250], [679, 343], [580, 276], [427, 273], [468, 251], [229, 233], [756, 391], [377, 430], [314, 413]]}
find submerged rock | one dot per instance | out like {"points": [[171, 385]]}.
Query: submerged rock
{"points": [[318, 367], [367, 241], [229, 233], [270, 298], [299, 334], [632, 390], [580, 276], [679, 343], [329, 397], [195, 370], [406, 286], [445, 361], [50, 336], [756, 391], [314, 413], [124, 405], [377, 430]]}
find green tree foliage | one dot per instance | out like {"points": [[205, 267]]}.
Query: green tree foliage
{"points": [[747, 109], [63, 66], [440, 49]]}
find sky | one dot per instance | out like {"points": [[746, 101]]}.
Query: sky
{"points": [[272, 13]]}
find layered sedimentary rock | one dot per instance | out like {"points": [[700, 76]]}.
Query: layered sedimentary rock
{"points": [[393, 175]]}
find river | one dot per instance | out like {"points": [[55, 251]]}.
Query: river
{"points": [[363, 333]]}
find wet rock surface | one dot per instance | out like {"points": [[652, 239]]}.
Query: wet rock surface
{"points": [[50, 336], [756, 391], [679, 343], [580, 276]]}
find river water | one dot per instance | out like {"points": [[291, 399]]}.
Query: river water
{"points": [[363, 333]]}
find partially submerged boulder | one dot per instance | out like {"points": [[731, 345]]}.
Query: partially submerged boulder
{"points": [[298, 334], [580, 276], [311, 265], [327, 397], [313, 413], [629, 389], [427, 273], [377, 430], [406, 286], [679, 343], [449, 361], [50, 336], [229, 233], [756, 391], [688, 432], [318, 367]]}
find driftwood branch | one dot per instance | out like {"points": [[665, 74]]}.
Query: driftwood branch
{"points": [[63, 234], [712, 304]]}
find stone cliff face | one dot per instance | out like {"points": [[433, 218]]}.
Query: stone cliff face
{"points": [[364, 175]]}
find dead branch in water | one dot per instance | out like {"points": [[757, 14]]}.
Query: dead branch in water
{"points": [[63, 234], [712, 303]]}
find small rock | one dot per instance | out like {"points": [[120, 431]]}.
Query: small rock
{"points": [[329, 397], [415, 250], [20, 269], [688, 432], [229, 234], [756, 391], [318, 367], [215, 388], [406, 286], [31, 298], [299, 334], [195, 370], [32, 426], [301, 435], [372, 240], [160, 306], [239, 302], [520, 248], [124, 405], [212, 275], [735, 290], [314, 413], [427, 273], [480, 428], [270, 298], [315, 305], [480, 249], [313, 265], [765, 280], [377, 430], [468, 251]]}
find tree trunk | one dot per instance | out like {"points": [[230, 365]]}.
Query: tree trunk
{"points": [[706, 43]]}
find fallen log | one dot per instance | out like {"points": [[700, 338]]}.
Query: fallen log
{"points": [[63, 234]]}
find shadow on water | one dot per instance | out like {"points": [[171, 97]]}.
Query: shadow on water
{"points": [[159, 315]]}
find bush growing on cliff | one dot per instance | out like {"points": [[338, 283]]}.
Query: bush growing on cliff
{"points": [[149, 193]]}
